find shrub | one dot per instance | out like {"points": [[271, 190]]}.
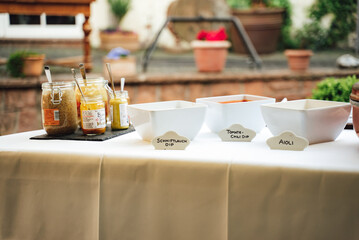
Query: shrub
{"points": [[343, 14], [334, 89]]}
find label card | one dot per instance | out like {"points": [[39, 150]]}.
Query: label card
{"points": [[170, 141], [237, 133], [288, 141]]}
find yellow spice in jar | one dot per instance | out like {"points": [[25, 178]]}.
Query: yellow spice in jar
{"points": [[119, 115]]}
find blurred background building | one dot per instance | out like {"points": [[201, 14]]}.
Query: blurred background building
{"points": [[144, 17]]}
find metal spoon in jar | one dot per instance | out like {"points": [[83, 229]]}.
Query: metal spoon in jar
{"points": [[48, 74], [122, 84], [83, 72], [77, 83], [110, 74]]}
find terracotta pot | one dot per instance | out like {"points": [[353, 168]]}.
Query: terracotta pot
{"points": [[298, 60], [210, 56], [33, 65], [122, 67], [128, 40], [354, 100], [263, 26]]}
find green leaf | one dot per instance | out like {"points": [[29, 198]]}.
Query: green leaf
{"points": [[334, 89]]}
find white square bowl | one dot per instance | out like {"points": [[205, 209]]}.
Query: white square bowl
{"points": [[248, 114], [154, 119], [316, 120]]}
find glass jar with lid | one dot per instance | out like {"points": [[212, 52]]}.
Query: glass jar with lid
{"points": [[93, 115], [58, 108], [94, 87], [118, 109]]}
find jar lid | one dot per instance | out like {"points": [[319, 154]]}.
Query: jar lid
{"points": [[99, 80], [355, 92], [123, 93], [47, 85]]}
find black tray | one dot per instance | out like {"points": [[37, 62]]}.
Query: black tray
{"points": [[78, 135]]}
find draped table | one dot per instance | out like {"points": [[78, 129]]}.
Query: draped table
{"points": [[124, 189]]}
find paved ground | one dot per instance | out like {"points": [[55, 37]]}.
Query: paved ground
{"points": [[165, 62]]}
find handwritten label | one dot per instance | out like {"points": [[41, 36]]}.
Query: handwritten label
{"points": [[237, 133], [170, 141], [288, 141]]}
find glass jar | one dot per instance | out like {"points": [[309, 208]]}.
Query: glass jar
{"points": [[354, 100], [94, 87], [58, 108], [125, 93], [93, 115], [118, 109]]}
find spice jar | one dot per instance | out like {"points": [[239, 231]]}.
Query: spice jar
{"points": [[118, 109], [125, 93], [93, 117], [58, 108], [94, 87], [354, 100]]}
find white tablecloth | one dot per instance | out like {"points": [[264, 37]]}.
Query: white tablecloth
{"points": [[124, 189]]}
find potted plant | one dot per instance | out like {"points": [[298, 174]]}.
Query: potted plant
{"points": [[265, 21], [210, 50], [25, 63], [115, 36], [306, 39], [298, 59], [122, 63]]}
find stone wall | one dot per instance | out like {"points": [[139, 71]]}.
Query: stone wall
{"points": [[20, 106], [20, 99]]}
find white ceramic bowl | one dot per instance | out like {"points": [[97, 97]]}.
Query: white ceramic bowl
{"points": [[154, 119], [316, 120], [248, 114]]}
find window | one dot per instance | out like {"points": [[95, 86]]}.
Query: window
{"points": [[65, 20], [24, 19], [41, 26], [16, 19]]}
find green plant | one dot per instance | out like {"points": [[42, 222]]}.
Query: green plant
{"points": [[256, 3], [343, 18], [119, 8], [239, 3], [310, 36], [334, 89], [15, 63]]}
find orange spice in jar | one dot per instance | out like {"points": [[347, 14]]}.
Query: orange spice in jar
{"points": [[94, 87], [93, 115]]}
